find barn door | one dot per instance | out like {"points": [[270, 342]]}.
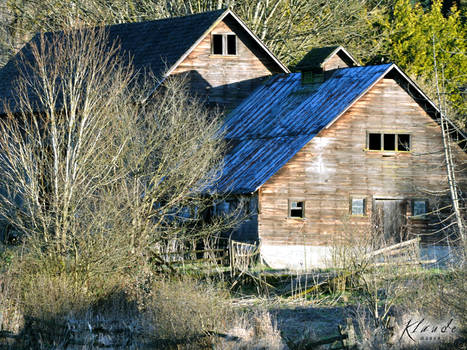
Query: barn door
{"points": [[389, 217]]}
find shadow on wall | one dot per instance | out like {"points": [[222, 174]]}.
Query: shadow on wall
{"points": [[226, 96]]}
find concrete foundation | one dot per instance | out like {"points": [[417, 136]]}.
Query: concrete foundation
{"points": [[301, 257], [295, 257]]}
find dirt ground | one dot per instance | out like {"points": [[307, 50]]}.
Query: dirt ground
{"points": [[309, 321]]}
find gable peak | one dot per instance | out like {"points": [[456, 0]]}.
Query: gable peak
{"points": [[326, 58]]}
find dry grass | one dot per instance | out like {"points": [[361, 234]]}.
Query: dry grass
{"points": [[184, 308], [57, 311], [253, 331]]}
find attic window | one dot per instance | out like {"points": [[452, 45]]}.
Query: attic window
{"points": [[296, 209], [224, 44], [307, 77], [389, 142], [217, 44], [403, 143], [231, 44], [374, 142]]}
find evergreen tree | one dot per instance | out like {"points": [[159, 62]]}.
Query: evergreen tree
{"points": [[416, 36]]}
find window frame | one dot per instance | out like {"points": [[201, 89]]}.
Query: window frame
{"points": [[289, 209], [225, 43], [396, 142], [365, 205]]}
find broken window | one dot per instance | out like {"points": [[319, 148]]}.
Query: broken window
{"points": [[357, 206], [389, 142], [224, 44], [403, 142], [296, 209]]}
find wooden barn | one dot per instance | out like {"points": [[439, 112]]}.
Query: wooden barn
{"points": [[311, 153], [223, 59], [336, 150]]}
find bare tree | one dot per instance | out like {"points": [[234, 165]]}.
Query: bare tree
{"points": [[96, 167], [454, 189], [289, 28]]}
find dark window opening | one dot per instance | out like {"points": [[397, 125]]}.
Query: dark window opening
{"points": [[389, 142], [231, 44], [403, 143], [374, 142], [217, 44], [224, 44], [358, 206], [296, 209]]}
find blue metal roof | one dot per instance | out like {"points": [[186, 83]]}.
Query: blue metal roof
{"points": [[280, 118]]}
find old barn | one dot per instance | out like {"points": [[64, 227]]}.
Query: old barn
{"points": [[224, 60], [335, 150], [333, 146]]}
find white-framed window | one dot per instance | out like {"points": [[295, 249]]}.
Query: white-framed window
{"points": [[389, 142], [224, 44]]}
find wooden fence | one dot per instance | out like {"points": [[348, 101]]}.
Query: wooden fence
{"points": [[242, 255], [404, 253]]}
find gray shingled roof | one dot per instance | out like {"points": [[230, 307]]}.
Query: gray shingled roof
{"points": [[153, 45]]}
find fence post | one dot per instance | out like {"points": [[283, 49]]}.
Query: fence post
{"points": [[231, 257]]}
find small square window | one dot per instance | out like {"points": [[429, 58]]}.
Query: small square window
{"points": [[374, 142], [358, 206], [296, 209], [389, 142], [231, 44], [403, 142], [419, 208]]}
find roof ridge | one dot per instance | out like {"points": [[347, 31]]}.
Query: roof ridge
{"points": [[220, 11], [114, 25]]}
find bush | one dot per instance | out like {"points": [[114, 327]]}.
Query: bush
{"points": [[184, 308], [253, 331]]}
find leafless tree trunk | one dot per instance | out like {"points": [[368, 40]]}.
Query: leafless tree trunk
{"points": [[449, 158], [93, 170]]}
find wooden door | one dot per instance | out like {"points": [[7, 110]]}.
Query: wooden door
{"points": [[390, 220]]}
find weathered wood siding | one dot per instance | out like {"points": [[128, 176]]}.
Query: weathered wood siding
{"points": [[227, 80], [335, 62], [335, 166]]}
